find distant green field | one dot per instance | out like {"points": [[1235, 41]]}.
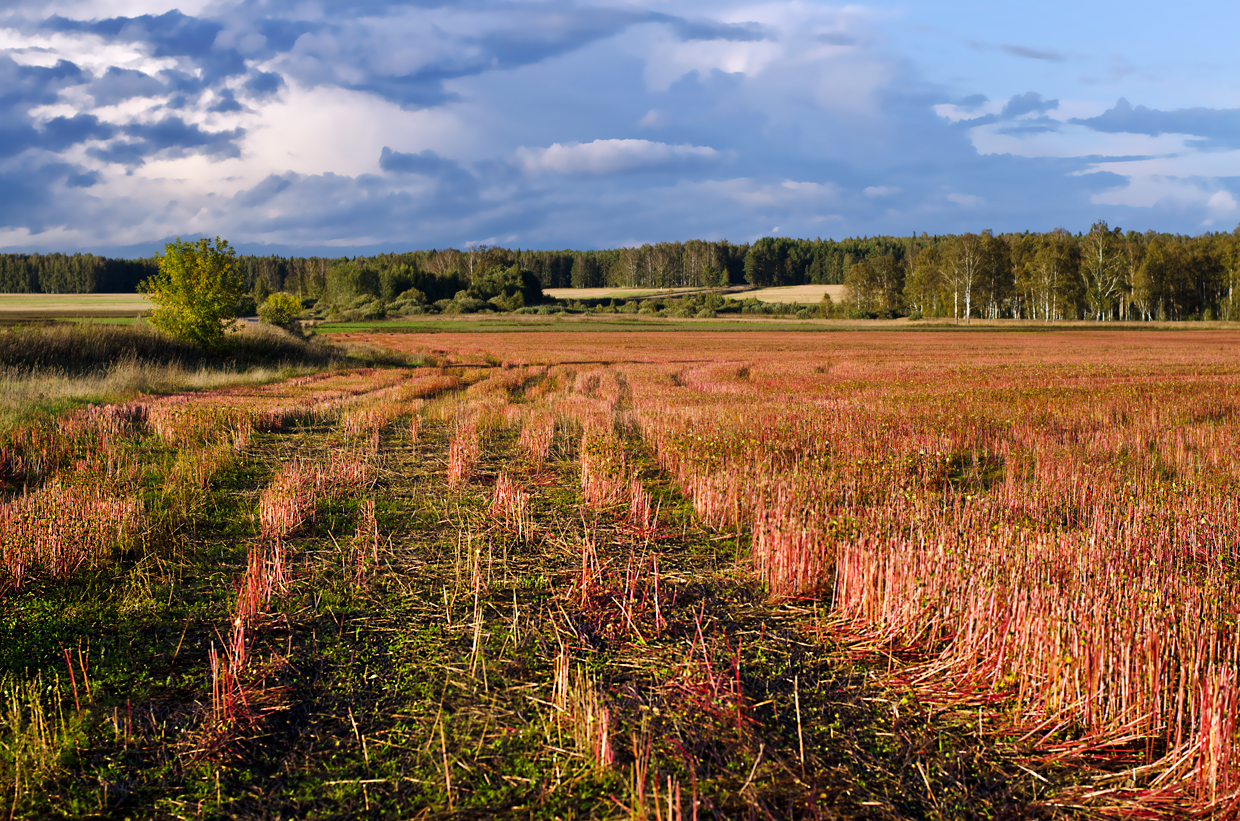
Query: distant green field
{"points": [[18, 307], [617, 293]]}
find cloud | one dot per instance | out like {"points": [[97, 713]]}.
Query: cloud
{"points": [[972, 102], [613, 157], [1216, 127], [226, 103], [399, 123], [120, 84], [272, 186], [171, 34], [329, 209], [710, 30], [1032, 53], [22, 88], [31, 199], [171, 136], [966, 200], [61, 132], [408, 55], [1026, 103], [1222, 202], [427, 163], [653, 118], [837, 38], [264, 83]]}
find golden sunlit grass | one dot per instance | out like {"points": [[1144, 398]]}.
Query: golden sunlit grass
{"points": [[51, 367], [804, 294]]}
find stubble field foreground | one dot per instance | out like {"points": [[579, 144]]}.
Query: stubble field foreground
{"points": [[673, 575]]}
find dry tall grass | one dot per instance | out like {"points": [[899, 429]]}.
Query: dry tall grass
{"points": [[52, 367]]}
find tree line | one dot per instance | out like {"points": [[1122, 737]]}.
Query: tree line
{"points": [[1103, 274], [71, 274], [696, 263]]}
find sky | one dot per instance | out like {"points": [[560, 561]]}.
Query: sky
{"points": [[304, 127]]}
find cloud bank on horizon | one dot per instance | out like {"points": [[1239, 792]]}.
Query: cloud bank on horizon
{"points": [[329, 127]]}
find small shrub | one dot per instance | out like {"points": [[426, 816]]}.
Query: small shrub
{"points": [[281, 310]]}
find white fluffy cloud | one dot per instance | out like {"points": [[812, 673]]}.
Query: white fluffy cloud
{"points": [[601, 157]]}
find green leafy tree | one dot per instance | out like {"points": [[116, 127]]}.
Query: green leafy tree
{"points": [[280, 310], [1102, 269], [924, 285], [196, 290], [1052, 272], [965, 264], [874, 287]]}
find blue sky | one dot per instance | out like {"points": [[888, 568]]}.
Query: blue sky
{"points": [[295, 126]]}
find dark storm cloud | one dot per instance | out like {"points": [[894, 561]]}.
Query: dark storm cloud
{"points": [[226, 103], [341, 48], [120, 84], [271, 186], [986, 119], [425, 162], [1028, 102], [688, 30], [166, 35], [24, 87], [171, 136], [282, 34], [451, 179], [1215, 127], [263, 84], [29, 198], [171, 34], [320, 208], [61, 132], [1027, 127], [83, 180]]}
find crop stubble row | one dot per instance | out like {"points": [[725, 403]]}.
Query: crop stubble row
{"points": [[1045, 521]]}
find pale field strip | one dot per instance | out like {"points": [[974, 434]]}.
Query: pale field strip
{"points": [[74, 304], [794, 293]]}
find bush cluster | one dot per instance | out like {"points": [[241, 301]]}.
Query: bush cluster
{"points": [[364, 296], [704, 306]]}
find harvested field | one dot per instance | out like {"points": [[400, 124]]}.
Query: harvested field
{"points": [[552, 575], [14, 307], [804, 294]]}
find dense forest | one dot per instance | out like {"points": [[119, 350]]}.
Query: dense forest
{"points": [[1103, 274], [71, 274]]}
